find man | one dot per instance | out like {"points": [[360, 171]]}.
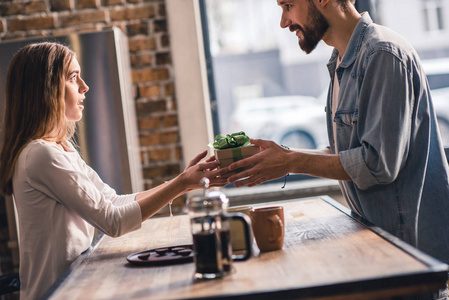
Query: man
{"points": [[385, 148]]}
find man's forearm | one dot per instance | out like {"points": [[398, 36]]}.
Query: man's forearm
{"points": [[319, 163]]}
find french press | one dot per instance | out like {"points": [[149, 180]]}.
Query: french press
{"points": [[210, 228]]}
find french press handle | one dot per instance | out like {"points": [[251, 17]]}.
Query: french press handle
{"points": [[246, 221]]}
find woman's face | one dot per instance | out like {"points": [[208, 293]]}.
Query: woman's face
{"points": [[75, 88]]}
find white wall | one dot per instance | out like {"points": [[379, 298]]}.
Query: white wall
{"points": [[407, 18]]}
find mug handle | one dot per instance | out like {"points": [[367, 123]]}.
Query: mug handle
{"points": [[276, 229], [246, 221]]}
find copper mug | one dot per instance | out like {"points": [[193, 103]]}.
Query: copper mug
{"points": [[268, 227]]}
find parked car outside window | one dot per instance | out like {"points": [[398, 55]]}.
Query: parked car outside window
{"points": [[299, 121]]}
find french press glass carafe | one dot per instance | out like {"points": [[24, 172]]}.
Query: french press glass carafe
{"points": [[211, 235]]}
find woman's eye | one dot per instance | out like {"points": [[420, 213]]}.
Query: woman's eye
{"points": [[73, 78]]}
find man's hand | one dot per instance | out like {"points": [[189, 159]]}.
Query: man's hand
{"points": [[272, 162]]}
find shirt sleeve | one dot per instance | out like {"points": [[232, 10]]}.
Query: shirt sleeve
{"points": [[51, 172], [108, 192], [386, 102]]}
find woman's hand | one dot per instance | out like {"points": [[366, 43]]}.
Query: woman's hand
{"points": [[196, 170], [151, 201], [198, 158]]}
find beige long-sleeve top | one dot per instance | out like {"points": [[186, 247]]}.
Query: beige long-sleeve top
{"points": [[59, 201]]}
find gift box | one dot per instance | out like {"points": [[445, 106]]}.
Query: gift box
{"points": [[230, 155], [231, 148]]}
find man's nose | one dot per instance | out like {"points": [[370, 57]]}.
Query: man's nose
{"points": [[285, 22]]}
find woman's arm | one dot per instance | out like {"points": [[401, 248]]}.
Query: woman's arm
{"points": [[49, 171], [151, 201]]}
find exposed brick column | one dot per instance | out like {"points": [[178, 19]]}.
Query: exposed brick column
{"points": [[145, 24]]}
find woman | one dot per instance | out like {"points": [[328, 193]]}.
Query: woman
{"points": [[60, 200]]}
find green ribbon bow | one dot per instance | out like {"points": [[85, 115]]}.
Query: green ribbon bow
{"points": [[233, 140]]}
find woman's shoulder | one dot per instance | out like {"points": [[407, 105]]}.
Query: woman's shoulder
{"points": [[39, 152], [40, 147], [41, 159]]}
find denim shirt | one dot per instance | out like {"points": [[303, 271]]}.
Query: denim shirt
{"points": [[388, 139]]}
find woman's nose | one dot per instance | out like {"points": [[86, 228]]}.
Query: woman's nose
{"points": [[84, 87]]}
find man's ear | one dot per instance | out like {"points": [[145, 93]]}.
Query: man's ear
{"points": [[323, 3]]}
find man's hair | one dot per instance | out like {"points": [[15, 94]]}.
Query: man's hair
{"points": [[344, 3], [35, 103]]}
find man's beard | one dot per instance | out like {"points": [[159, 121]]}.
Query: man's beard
{"points": [[314, 32]]}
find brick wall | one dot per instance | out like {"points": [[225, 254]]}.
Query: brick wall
{"points": [[145, 23]]}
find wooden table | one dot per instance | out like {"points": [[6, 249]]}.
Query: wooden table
{"points": [[328, 254]]}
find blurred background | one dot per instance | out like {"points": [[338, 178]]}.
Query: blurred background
{"points": [[258, 80], [266, 86]]}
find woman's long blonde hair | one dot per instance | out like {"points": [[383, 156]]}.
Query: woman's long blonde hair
{"points": [[35, 105]]}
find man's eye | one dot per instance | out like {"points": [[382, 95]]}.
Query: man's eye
{"points": [[288, 6]]}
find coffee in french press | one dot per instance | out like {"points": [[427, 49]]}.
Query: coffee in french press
{"points": [[210, 228]]}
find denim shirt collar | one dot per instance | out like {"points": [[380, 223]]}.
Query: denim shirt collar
{"points": [[353, 47]]}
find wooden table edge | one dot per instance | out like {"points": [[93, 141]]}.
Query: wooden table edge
{"points": [[77, 262], [415, 284], [421, 256]]}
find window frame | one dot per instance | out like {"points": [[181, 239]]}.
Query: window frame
{"points": [[191, 82], [193, 99], [434, 23]]}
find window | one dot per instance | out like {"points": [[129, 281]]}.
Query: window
{"points": [[263, 83], [433, 15], [251, 59]]}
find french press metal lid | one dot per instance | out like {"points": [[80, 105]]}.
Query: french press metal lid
{"points": [[210, 202]]}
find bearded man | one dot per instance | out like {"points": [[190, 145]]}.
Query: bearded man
{"points": [[384, 144]]}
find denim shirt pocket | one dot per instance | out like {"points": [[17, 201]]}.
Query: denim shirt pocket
{"points": [[345, 122]]}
